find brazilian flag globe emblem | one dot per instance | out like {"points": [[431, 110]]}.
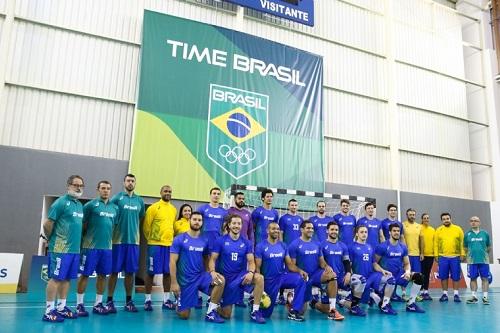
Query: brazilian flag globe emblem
{"points": [[237, 130]]}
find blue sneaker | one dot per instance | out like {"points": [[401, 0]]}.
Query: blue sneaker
{"points": [[357, 311], [130, 307], [111, 307], [168, 305], [80, 310], [426, 297], [457, 299], [214, 317], [99, 309], [66, 313], [199, 305], [53, 317], [295, 315], [413, 307], [396, 298], [257, 317], [388, 310], [148, 306]]}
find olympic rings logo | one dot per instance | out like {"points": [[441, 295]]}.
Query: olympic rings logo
{"points": [[237, 154]]}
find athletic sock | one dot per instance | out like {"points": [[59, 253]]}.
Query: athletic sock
{"points": [[166, 296], [455, 292], [61, 304], [445, 292], [148, 297], [50, 305], [375, 297], [415, 288], [386, 301], [333, 302], [473, 294], [211, 307], [255, 307], [98, 299], [79, 299], [485, 294]]}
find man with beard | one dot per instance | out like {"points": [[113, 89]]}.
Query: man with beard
{"points": [[392, 257], [263, 215], [232, 256], [126, 242], [320, 221], [246, 221], [63, 230], [270, 261], [373, 225], [290, 223], [189, 272]]}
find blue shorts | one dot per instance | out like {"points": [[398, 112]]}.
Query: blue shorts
{"points": [[158, 259], [189, 292], [234, 289], [415, 264], [125, 258], [288, 280], [63, 266], [375, 281], [314, 281], [449, 267], [475, 270], [400, 281], [97, 260]]}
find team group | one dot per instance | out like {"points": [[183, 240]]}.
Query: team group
{"points": [[326, 261]]}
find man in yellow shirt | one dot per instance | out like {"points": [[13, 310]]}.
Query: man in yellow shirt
{"points": [[448, 253], [158, 230], [427, 254], [413, 240]]}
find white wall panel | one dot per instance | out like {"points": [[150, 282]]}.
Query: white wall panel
{"points": [[351, 25], [62, 60], [437, 176], [355, 118], [420, 88], [414, 13], [357, 164], [63, 123], [433, 133], [375, 5]]}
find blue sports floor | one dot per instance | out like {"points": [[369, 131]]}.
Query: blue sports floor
{"points": [[20, 314]]}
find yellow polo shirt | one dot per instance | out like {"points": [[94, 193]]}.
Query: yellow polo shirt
{"points": [[181, 226], [449, 241], [428, 234], [158, 224], [412, 237]]}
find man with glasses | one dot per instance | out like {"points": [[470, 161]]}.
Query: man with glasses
{"points": [[63, 229]]}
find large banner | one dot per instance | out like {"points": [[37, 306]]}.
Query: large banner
{"points": [[218, 107]]}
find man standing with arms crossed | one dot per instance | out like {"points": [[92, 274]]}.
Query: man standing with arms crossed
{"points": [[158, 230], [126, 242], [320, 221], [448, 253], [99, 217], [63, 229], [346, 222], [477, 247], [213, 217]]}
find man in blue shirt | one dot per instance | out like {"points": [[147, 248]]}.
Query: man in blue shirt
{"points": [[346, 222], [213, 217], [392, 217], [320, 221], [264, 214], [391, 257], [290, 223], [232, 256], [362, 258], [307, 256], [126, 239], [270, 261], [373, 225], [63, 229], [189, 272], [99, 217]]}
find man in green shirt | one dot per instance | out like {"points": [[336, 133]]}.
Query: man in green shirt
{"points": [[126, 242], [477, 247], [63, 229], [99, 216]]}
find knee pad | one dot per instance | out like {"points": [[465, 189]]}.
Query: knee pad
{"points": [[358, 283], [388, 280], [418, 278]]}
